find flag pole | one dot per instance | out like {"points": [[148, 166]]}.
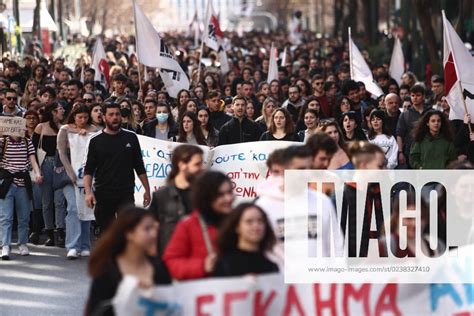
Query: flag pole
{"points": [[136, 49], [206, 30], [465, 106], [350, 52]]}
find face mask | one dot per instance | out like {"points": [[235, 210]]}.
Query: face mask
{"points": [[125, 112], [162, 117]]}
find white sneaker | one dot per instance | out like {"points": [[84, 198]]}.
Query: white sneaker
{"points": [[6, 253], [72, 254], [23, 250], [85, 253]]}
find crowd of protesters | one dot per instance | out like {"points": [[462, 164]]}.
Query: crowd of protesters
{"points": [[313, 102]]}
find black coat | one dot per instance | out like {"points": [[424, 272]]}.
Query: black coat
{"points": [[235, 131], [149, 129], [168, 208]]}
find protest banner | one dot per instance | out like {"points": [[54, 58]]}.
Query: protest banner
{"points": [[244, 164], [78, 146], [12, 126], [268, 295]]}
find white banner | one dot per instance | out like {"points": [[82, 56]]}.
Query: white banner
{"points": [[268, 295], [77, 145], [244, 164]]}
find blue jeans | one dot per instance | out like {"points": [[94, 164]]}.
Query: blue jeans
{"points": [[17, 197], [53, 201], [77, 231]]}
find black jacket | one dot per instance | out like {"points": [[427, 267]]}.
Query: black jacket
{"points": [[149, 129], [234, 132], [104, 288], [218, 119], [168, 208]]}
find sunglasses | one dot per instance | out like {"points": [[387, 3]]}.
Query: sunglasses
{"points": [[11, 98], [87, 100], [318, 83]]}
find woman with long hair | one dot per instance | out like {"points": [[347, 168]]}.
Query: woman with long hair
{"points": [[313, 103], [191, 105], [45, 140], [77, 231], [342, 106], [138, 111], [211, 135], [95, 114], [128, 247], [31, 92], [305, 87], [264, 88], [380, 135], [182, 98], [39, 74], [128, 116], [268, 107], [311, 121], [191, 252], [340, 160], [275, 90], [433, 146], [250, 110], [351, 131], [281, 127], [243, 240], [190, 130]]}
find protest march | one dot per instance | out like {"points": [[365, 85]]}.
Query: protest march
{"points": [[224, 170]]}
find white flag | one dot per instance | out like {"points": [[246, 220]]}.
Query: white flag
{"points": [[360, 71], [148, 44], [273, 67], [458, 72], [397, 63], [213, 35], [100, 64], [224, 61]]}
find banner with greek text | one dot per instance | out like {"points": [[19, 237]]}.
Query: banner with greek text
{"points": [[268, 295], [245, 163], [77, 144]]}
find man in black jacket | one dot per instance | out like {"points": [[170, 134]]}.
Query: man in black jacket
{"points": [[239, 129], [113, 155], [217, 117], [173, 201]]}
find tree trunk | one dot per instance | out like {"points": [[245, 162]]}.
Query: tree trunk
{"points": [[423, 9], [338, 15], [36, 20]]}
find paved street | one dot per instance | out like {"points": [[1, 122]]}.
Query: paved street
{"points": [[44, 283]]}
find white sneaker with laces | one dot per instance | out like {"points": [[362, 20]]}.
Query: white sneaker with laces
{"points": [[72, 254], [85, 253], [5, 252], [23, 250]]}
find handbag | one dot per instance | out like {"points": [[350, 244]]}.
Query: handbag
{"points": [[60, 176], [40, 153]]}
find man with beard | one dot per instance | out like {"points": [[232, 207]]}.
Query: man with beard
{"points": [[173, 201], [112, 156]]}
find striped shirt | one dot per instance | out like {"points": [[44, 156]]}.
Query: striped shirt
{"points": [[16, 157]]}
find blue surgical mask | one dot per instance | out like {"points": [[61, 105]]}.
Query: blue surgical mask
{"points": [[162, 117]]}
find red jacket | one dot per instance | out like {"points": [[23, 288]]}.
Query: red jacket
{"points": [[186, 251]]}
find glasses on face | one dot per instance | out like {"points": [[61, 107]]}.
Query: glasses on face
{"points": [[88, 100], [318, 83], [11, 98]]}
